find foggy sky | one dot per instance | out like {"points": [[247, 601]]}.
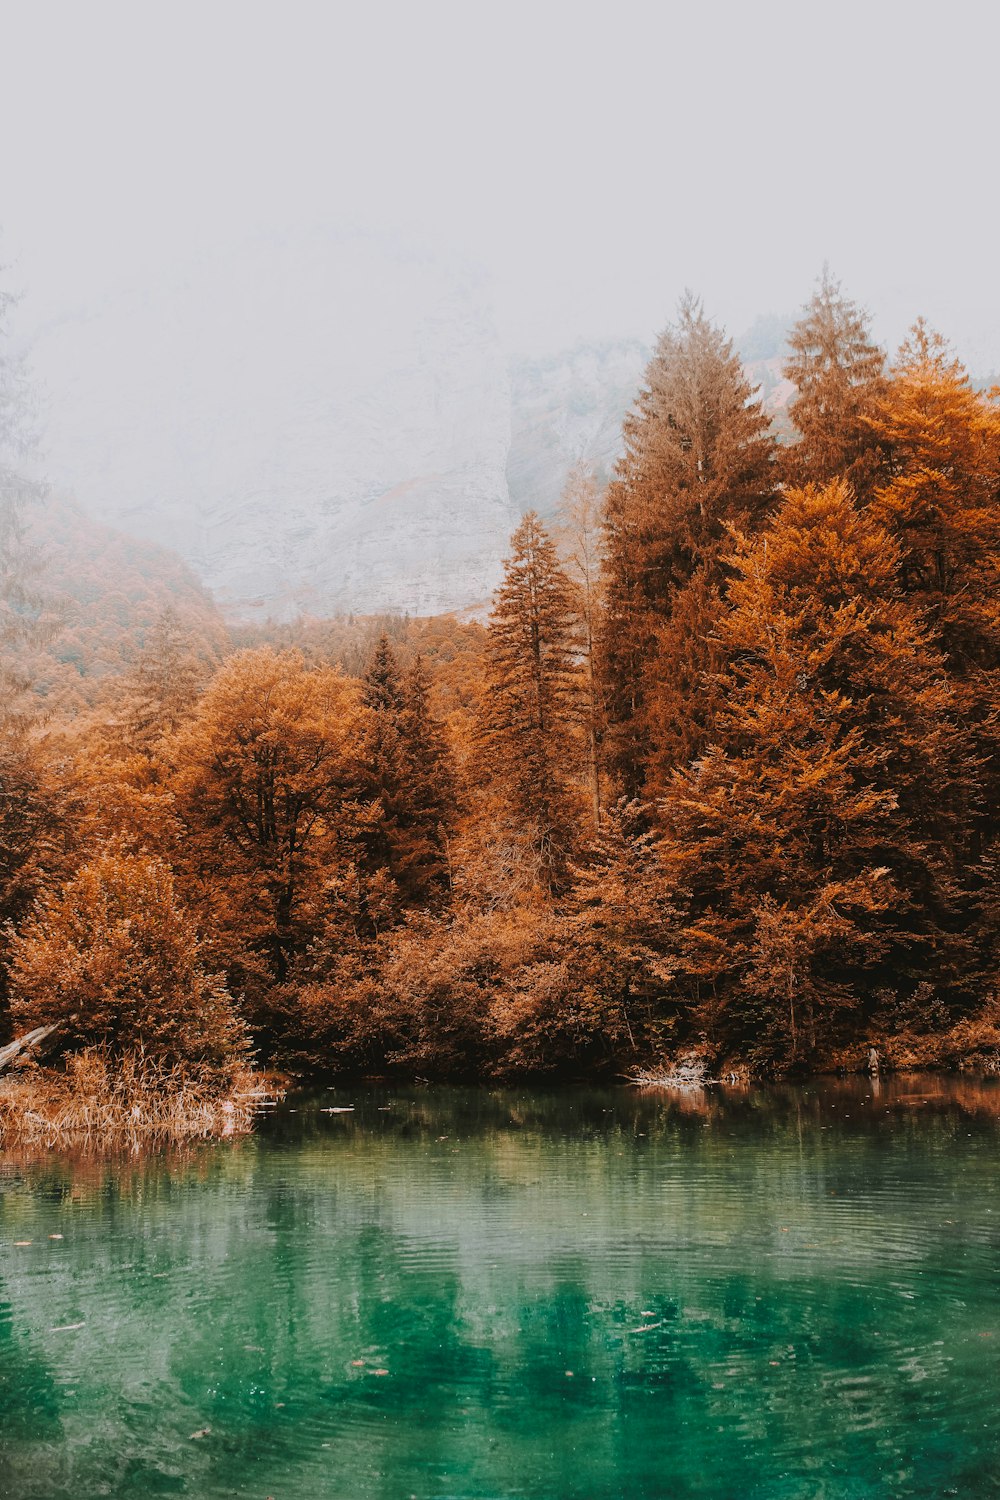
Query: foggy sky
{"points": [[588, 160]]}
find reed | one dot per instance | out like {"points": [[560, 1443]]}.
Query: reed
{"points": [[101, 1101]]}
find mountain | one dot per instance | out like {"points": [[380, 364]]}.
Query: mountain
{"points": [[321, 426], [565, 409], [331, 425], [101, 591]]}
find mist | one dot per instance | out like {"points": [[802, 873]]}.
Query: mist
{"points": [[277, 262]]}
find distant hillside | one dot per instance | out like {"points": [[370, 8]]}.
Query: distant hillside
{"points": [[102, 591]]}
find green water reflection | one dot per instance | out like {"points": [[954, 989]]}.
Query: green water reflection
{"points": [[784, 1293]]}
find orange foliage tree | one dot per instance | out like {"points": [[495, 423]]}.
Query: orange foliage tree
{"points": [[811, 837], [266, 776], [115, 958], [529, 709], [699, 457]]}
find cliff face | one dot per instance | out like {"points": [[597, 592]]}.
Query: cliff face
{"points": [[566, 409]]}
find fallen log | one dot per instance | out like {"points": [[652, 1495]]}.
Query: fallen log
{"points": [[24, 1044]]}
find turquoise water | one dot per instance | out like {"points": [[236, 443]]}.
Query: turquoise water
{"points": [[783, 1293]]}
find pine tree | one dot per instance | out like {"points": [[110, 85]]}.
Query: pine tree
{"points": [[838, 373], [698, 459], [26, 816], [530, 703]]}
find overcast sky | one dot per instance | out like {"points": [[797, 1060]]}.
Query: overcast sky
{"points": [[592, 159]]}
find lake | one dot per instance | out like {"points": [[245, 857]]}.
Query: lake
{"points": [[786, 1292]]}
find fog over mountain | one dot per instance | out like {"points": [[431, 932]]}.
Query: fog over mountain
{"points": [[329, 425], [324, 298]]}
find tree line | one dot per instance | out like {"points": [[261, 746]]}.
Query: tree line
{"points": [[720, 771]]}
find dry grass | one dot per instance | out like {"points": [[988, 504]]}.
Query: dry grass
{"points": [[128, 1102]]}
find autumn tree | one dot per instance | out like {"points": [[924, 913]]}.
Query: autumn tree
{"points": [[529, 707], [162, 688], [407, 767], [939, 497], [811, 836], [698, 459], [838, 374], [580, 510], [27, 815], [115, 959], [266, 779]]}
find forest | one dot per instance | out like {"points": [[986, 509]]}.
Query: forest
{"points": [[717, 776]]}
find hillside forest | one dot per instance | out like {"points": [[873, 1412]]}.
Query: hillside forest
{"points": [[719, 773]]}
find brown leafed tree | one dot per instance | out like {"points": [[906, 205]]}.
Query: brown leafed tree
{"points": [[699, 458], [940, 496], [812, 837], [529, 712], [839, 376], [117, 961], [582, 546], [407, 766], [266, 779]]}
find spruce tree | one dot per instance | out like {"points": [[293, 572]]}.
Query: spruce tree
{"points": [[838, 372], [699, 458]]}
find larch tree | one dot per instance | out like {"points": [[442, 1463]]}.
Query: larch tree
{"points": [[941, 500], [699, 458], [808, 836], [940, 496], [407, 767], [839, 376], [581, 538], [528, 718], [162, 688]]}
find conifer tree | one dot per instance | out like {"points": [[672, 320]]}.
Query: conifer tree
{"points": [[530, 702], [838, 372], [939, 499], [26, 816], [580, 519], [162, 689], [812, 834], [939, 496], [698, 459], [408, 768]]}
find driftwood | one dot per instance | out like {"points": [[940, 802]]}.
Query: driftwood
{"points": [[24, 1044]]}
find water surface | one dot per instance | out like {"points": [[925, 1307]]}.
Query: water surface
{"points": [[784, 1293]]}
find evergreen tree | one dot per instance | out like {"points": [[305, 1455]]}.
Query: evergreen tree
{"points": [[530, 702], [839, 377], [698, 459]]}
